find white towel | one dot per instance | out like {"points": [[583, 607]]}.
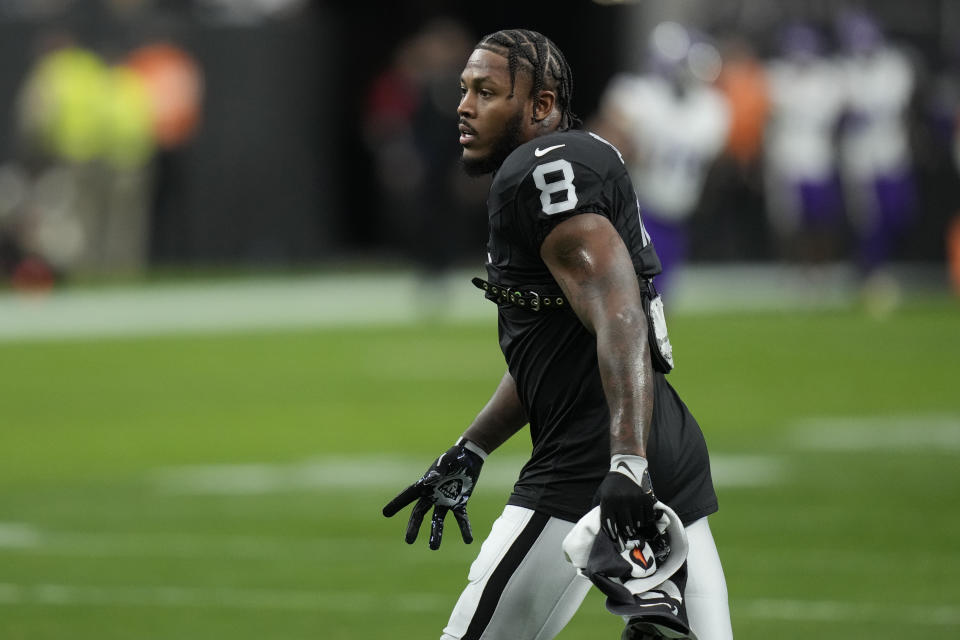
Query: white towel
{"points": [[643, 579]]}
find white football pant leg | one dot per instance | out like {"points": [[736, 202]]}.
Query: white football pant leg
{"points": [[706, 594], [520, 586]]}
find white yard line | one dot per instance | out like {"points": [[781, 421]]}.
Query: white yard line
{"points": [[211, 546], [936, 433], [172, 545], [735, 470], [362, 472], [385, 472], [379, 298], [226, 598], [836, 612], [205, 546], [381, 473], [18, 534], [250, 304]]}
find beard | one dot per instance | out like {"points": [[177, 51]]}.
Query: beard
{"points": [[509, 140]]}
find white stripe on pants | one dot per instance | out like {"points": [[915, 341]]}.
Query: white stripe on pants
{"points": [[522, 588], [706, 594]]}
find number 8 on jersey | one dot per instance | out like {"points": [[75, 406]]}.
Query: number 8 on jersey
{"points": [[555, 185]]}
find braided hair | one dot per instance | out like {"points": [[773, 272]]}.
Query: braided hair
{"points": [[543, 60]]}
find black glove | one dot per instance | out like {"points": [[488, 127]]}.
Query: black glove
{"points": [[445, 486], [627, 501]]}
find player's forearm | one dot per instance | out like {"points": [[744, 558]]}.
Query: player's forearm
{"points": [[502, 417], [626, 371]]}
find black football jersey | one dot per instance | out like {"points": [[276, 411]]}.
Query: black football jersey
{"points": [[545, 182], [550, 354]]}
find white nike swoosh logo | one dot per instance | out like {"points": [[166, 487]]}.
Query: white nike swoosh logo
{"points": [[539, 152]]}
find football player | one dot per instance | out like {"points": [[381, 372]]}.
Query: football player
{"points": [[671, 123], [802, 182], [875, 152], [570, 267]]}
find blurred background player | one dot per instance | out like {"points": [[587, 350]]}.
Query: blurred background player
{"points": [[670, 124], [804, 199], [719, 231], [875, 152], [92, 133], [425, 200]]}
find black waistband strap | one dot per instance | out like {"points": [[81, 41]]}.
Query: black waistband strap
{"points": [[522, 297], [539, 300]]}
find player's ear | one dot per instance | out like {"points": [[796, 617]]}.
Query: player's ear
{"points": [[543, 105]]}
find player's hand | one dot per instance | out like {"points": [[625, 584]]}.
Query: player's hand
{"points": [[627, 500], [446, 486]]}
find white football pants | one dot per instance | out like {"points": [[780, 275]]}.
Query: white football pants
{"points": [[521, 586]]}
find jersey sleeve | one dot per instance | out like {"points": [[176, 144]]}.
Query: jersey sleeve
{"points": [[560, 184]]}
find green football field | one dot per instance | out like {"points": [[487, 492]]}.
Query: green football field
{"points": [[229, 486]]}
